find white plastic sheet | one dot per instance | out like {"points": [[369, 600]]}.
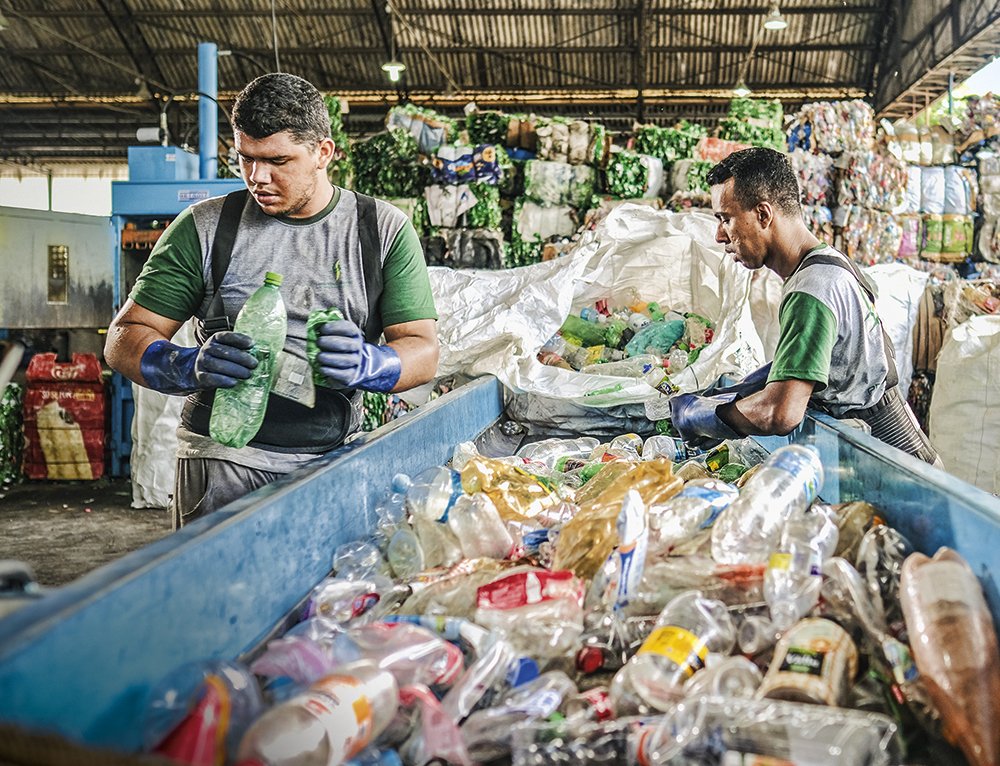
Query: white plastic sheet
{"points": [[153, 462], [495, 322], [965, 406], [900, 290]]}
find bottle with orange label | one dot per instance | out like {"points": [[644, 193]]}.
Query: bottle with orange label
{"points": [[686, 631], [333, 720]]}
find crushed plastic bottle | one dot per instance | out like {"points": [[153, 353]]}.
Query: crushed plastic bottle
{"points": [[794, 574], [480, 531], [787, 482], [687, 629]]}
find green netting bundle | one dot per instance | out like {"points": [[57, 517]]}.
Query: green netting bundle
{"points": [[341, 167], [11, 433], [697, 174], [762, 111], [668, 144], [387, 166], [631, 175], [735, 129], [488, 127], [486, 213]]}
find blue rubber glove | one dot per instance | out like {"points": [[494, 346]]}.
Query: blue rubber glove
{"points": [[347, 359], [222, 362], [751, 384], [697, 422]]}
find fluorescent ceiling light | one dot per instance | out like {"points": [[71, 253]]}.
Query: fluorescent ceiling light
{"points": [[774, 19]]}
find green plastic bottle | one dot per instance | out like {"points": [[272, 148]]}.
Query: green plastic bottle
{"points": [[238, 411]]}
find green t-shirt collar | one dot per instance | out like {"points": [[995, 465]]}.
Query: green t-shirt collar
{"points": [[318, 216]]}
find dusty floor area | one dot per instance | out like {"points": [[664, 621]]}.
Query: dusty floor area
{"points": [[64, 529]]}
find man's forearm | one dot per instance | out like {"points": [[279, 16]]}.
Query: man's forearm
{"points": [[125, 346], [419, 359]]}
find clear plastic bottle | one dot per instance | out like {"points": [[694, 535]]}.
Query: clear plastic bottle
{"points": [[391, 510], [687, 629], [433, 492], [551, 451], [480, 531], [237, 412], [332, 721], [729, 677], [358, 560], [405, 555], [487, 732], [794, 575], [748, 530], [683, 515], [633, 367]]}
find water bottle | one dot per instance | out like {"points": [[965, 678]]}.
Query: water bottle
{"points": [[358, 560], [405, 554], [390, 513], [433, 492], [794, 574], [238, 411], [748, 530], [633, 367], [480, 531], [697, 505], [333, 720], [551, 451], [687, 629], [488, 732]]}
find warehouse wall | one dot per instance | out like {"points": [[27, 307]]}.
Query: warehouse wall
{"points": [[33, 298]]}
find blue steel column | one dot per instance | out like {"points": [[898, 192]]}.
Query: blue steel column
{"points": [[208, 110]]}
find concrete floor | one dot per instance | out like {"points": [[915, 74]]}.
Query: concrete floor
{"points": [[64, 529]]}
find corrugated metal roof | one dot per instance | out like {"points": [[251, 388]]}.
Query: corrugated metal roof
{"points": [[548, 53]]}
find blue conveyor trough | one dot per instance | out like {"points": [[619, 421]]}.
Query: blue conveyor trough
{"points": [[81, 661]]}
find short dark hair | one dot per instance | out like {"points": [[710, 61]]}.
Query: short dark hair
{"points": [[279, 101], [760, 175]]}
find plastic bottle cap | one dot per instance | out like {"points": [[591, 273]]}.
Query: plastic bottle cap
{"points": [[589, 659], [273, 278], [522, 670]]}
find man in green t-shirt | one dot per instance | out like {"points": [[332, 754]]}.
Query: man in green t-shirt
{"points": [[333, 248], [832, 351]]}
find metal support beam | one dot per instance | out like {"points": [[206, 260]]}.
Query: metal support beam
{"points": [[922, 64], [133, 41], [507, 9]]}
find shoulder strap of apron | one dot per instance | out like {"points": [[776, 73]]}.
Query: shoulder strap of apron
{"points": [[216, 319], [371, 258], [891, 377]]}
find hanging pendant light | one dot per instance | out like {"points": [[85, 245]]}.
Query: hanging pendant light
{"points": [[774, 19], [741, 90], [393, 69]]}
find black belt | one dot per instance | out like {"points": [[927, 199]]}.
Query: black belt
{"points": [[289, 427]]}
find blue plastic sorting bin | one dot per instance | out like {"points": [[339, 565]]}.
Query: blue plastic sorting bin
{"points": [[81, 661]]}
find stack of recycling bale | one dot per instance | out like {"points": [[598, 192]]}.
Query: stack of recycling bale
{"points": [[833, 149], [940, 196], [553, 176], [989, 182], [674, 149]]}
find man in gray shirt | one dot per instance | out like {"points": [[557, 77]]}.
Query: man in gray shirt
{"points": [[832, 351]]}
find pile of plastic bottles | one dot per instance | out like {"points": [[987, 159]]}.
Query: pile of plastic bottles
{"points": [[615, 603], [640, 340]]}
